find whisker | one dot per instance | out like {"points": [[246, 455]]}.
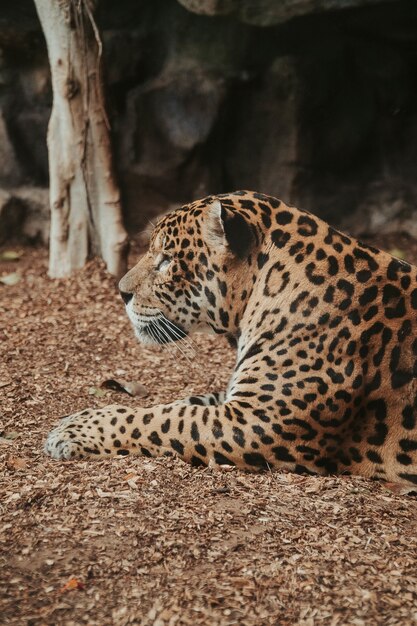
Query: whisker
{"points": [[170, 345], [176, 345], [187, 343], [151, 331], [158, 337], [155, 332], [183, 338]]}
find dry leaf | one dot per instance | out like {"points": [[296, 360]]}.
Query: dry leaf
{"points": [[10, 255], [10, 279], [94, 391], [72, 584], [397, 252], [399, 489], [15, 462], [10, 435], [132, 388]]}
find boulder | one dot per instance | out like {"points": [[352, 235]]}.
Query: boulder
{"points": [[269, 12], [10, 171], [24, 214], [166, 125], [12, 213], [174, 114], [35, 227], [210, 7], [30, 131], [319, 110], [263, 149], [385, 207]]}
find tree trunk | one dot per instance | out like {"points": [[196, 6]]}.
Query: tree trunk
{"points": [[86, 216]]}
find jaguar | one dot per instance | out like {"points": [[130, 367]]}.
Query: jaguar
{"points": [[324, 328]]}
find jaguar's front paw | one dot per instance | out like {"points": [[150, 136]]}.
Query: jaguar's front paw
{"points": [[70, 440], [86, 434]]}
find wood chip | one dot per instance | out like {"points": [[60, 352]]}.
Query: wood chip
{"points": [[155, 541]]}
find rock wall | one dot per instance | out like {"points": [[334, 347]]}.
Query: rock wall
{"points": [[310, 100]]}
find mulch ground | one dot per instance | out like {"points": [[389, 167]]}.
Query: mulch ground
{"points": [[153, 541]]}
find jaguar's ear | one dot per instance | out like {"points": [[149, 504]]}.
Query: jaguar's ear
{"points": [[229, 229]]}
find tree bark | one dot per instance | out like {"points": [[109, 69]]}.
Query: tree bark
{"points": [[86, 216]]}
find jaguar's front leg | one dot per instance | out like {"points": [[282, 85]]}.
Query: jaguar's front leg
{"points": [[224, 434]]}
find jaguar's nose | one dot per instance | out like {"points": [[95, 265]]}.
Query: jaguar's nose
{"points": [[126, 296]]}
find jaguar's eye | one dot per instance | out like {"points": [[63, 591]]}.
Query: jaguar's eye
{"points": [[163, 263]]}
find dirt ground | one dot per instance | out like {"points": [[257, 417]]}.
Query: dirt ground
{"points": [[153, 541]]}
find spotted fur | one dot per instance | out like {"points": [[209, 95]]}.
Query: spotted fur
{"points": [[325, 331]]}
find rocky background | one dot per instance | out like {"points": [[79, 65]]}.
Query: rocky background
{"points": [[314, 101]]}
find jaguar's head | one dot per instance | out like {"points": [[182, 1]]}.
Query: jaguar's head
{"points": [[194, 274]]}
